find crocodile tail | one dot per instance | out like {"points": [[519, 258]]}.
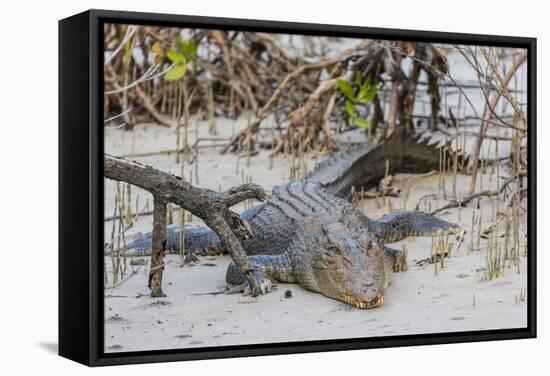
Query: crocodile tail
{"points": [[197, 240], [364, 166]]}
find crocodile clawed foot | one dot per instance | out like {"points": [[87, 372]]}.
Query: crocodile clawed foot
{"points": [[265, 286], [257, 283], [262, 287]]}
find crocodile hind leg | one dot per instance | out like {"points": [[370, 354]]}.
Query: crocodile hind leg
{"points": [[396, 226], [267, 269]]}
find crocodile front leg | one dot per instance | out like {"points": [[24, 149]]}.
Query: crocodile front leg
{"points": [[396, 226], [267, 269], [394, 261]]}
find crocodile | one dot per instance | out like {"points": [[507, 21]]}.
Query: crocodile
{"points": [[308, 232]]}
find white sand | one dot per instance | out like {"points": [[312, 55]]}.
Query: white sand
{"points": [[417, 301]]}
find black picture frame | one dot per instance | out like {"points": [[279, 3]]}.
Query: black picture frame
{"points": [[81, 188]]}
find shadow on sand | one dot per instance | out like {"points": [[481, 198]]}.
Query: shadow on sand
{"points": [[51, 347]]}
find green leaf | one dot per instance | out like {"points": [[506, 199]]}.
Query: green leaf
{"points": [[362, 97], [175, 73], [350, 108], [182, 43], [372, 89], [367, 92], [361, 123], [175, 57], [188, 47], [346, 89]]}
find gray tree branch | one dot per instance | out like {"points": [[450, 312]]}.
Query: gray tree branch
{"points": [[212, 207]]}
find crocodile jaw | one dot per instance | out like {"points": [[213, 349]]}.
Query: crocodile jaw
{"points": [[362, 304]]}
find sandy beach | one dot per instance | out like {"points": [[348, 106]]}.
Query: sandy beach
{"points": [[196, 312]]}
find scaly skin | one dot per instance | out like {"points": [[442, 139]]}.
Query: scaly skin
{"points": [[308, 233]]}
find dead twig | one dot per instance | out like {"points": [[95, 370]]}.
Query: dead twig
{"points": [[470, 197]]}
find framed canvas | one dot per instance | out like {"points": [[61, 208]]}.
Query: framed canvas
{"points": [[236, 187]]}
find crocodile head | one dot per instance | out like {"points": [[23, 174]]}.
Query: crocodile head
{"points": [[351, 270]]}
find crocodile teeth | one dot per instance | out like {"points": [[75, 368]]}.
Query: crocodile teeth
{"points": [[361, 304]]}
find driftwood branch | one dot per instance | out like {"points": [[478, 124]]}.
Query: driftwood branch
{"points": [[158, 246], [212, 207]]}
